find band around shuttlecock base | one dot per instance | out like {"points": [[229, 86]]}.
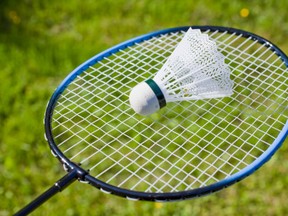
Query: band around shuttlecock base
{"points": [[157, 91]]}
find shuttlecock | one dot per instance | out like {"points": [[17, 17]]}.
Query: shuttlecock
{"points": [[195, 70]]}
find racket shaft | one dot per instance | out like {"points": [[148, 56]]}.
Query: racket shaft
{"points": [[57, 187]]}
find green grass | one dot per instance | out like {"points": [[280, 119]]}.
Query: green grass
{"points": [[42, 41]]}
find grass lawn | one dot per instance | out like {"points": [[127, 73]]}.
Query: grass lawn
{"points": [[42, 41]]}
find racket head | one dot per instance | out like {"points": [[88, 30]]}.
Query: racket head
{"points": [[188, 170]]}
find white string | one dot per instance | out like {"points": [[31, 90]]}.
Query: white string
{"points": [[186, 145]]}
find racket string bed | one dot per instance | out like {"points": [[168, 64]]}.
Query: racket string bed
{"points": [[142, 53]]}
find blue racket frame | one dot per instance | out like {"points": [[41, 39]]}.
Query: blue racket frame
{"points": [[76, 172]]}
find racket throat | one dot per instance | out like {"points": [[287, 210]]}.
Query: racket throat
{"points": [[74, 173], [64, 182]]}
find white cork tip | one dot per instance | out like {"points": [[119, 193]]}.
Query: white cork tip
{"points": [[143, 100]]}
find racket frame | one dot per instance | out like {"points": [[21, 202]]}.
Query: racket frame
{"points": [[137, 195]]}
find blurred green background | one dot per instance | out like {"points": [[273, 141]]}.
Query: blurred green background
{"points": [[42, 41]]}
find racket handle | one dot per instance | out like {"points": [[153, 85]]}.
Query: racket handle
{"points": [[57, 187]]}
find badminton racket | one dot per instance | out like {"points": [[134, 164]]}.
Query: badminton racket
{"points": [[187, 149]]}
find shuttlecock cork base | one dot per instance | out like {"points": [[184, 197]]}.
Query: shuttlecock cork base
{"points": [[195, 70], [147, 98]]}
